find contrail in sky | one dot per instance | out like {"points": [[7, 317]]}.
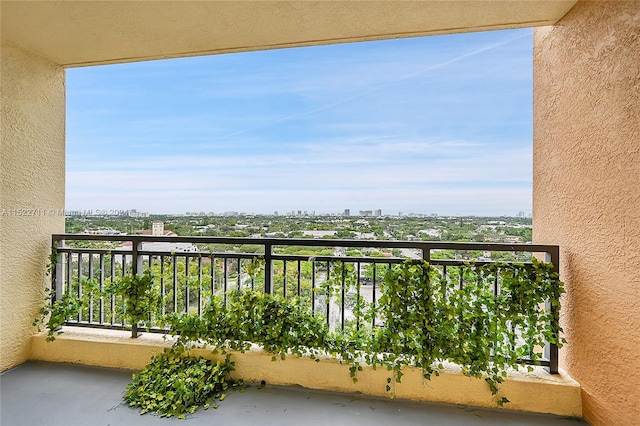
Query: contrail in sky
{"points": [[378, 89]]}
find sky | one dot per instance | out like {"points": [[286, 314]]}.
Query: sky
{"points": [[439, 124]]}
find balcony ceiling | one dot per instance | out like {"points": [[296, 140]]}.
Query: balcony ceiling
{"points": [[80, 33]]}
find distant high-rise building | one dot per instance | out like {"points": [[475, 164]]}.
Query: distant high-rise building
{"points": [[378, 213], [347, 212]]}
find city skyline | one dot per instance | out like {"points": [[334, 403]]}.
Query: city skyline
{"points": [[307, 213], [433, 124]]}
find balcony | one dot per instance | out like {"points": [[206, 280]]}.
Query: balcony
{"points": [[585, 194], [326, 276]]}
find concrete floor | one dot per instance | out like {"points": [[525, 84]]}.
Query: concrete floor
{"points": [[38, 393]]}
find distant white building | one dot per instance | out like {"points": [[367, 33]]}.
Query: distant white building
{"points": [[157, 229], [430, 232], [319, 234]]}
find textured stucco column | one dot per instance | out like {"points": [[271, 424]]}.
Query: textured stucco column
{"points": [[586, 187], [32, 167]]}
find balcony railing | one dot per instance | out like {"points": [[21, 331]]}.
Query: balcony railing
{"points": [[191, 270]]}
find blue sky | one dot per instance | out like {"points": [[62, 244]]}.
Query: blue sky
{"points": [[439, 124]]}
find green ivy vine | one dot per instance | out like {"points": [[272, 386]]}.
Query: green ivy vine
{"points": [[141, 297], [422, 318], [175, 384], [54, 316]]}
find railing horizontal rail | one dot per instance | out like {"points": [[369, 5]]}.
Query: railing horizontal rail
{"points": [[312, 242], [191, 270]]}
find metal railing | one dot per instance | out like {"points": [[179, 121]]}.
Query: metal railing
{"points": [[191, 270]]}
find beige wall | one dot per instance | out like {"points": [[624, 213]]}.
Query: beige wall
{"points": [[587, 195], [537, 392], [31, 190]]}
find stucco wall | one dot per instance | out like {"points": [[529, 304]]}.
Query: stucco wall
{"points": [[587, 195], [32, 170]]}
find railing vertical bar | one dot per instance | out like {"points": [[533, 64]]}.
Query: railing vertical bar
{"points": [[239, 273], [373, 296], [284, 279], [69, 272], [225, 272], [328, 295], [343, 294], [101, 288], [313, 287], [113, 297], [199, 286], [174, 278], [358, 285], [90, 274], [445, 280], [299, 278], [79, 284], [212, 262], [268, 267], [150, 269], [187, 273], [551, 350], [136, 269], [253, 280], [162, 286]]}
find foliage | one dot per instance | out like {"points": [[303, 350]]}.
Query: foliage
{"points": [[428, 320], [175, 384], [141, 298], [280, 325], [54, 316], [485, 318]]}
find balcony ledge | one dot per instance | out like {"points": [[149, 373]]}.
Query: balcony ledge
{"points": [[538, 391]]}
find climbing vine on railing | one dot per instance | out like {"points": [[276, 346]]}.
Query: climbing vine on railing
{"points": [[142, 300], [485, 318], [53, 316], [428, 320], [141, 297]]}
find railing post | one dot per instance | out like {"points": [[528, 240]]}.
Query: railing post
{"points": [[268, 271], [136, 267], [551, 350], [136, 260], [426, 253]]}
